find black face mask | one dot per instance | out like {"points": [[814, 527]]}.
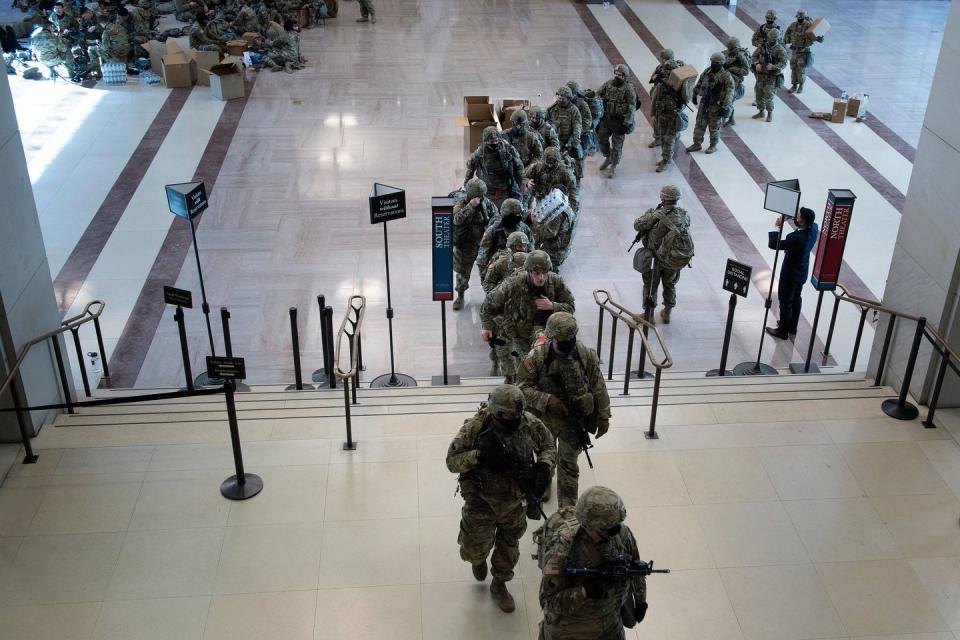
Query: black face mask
{"points": [[769, 23], [511, 221], [566, 346], [551, 164], [612, 531], [715, 66], [492, 146], [518, 129], [510, 424]]}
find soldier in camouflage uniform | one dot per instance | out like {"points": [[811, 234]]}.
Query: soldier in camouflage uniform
{"points": [[527, 142], [714, 92], [138, 31], [596, 116], [738, 64], [619, 117], [470, 220], [246, 20], [283, 53], [768, 63], [523, 302], [114, 43], [658, 88], [801, 57], [498, 164], [490, 452], [53, 51], [367, 12], [656, 227], [586, 115], [551, 173], [494, 238], [587, 536], [555, 234], [760, 35], [540, 124], [565, 115], [200, 38], [667, 109], [62, 23], [563, 385], [508, 260]]}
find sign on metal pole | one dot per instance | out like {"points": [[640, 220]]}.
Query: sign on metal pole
{"points": [[387, 203], [177, 297], [186, 199], [442, 243], [736, 278], [783, 197], [226, 368], [833, 239]]}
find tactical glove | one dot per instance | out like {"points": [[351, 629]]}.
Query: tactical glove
{"points": [[584, 403], [555, 406], [492, 455], [603, 426], [541, 477], [695, 99], [594, 588], [640, 611]]}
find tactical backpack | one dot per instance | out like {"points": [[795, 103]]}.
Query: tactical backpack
{"points": [[555, 538], [676, 248]]}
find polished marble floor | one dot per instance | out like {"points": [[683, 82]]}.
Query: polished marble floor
{"points": [[292, 164]]}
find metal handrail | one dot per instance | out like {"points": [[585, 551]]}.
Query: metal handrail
{"points": [[356, 308], [67, 325], [636, 322]]}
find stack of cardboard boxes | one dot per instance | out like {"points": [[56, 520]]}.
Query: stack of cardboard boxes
{"points": [[478, 114], [180, 69]]}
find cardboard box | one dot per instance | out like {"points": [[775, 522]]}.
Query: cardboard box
{"points": [[176, 67], [839, 111], [236, 47], [681, 75], [250, 37], [155, 51], [818, 27], [856, 105], [507, 107], [226, 81], [200, 62], [306, 20], [477, 108]]}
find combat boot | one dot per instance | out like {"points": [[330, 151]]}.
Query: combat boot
{"points": [[501, 596], [758, 115], [606, 163], [800, 88], [480, 571], [373, 19], [792, 89], [458, 303], [731, 121], [665, 315], [712, 148], [363, 19], [662, 165], [769, 116], [612, 172], [696, 146], [653, 143]]}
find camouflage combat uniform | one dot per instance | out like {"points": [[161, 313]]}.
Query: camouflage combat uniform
{"points": [[114, 43], [284, 53], [568, 393], [570, 610], [53, 51], [246, 21], [619, 116], [666, 109], [506, 265], [498, 164], [514, 303], [495, 237], [801, 57], [556, 235], [586, 116], [768, 81], [540, 124], [551, 173], [760, 35], [494, 516], [527, 142], [738, 64], [656, 231], [367, 12], [469, 225], [596, 116], [714, 92], [201, 41], [566, 117]]}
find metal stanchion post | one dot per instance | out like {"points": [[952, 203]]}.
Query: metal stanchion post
{"points": [[58, 355], [320, 375], [29, 457], [647, 315], [331, 376], [295, 340], [613, 345], [184, 350], [80, 360], [103, 352], [242, 485], [935, 398], [805, 367], [731, 309], [228, 344], [626, 375], [900, 408]]}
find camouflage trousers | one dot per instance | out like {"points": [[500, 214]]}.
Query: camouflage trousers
{"points": [[708, 117], [611, 143], [568, 469], [558, 251], [799, 59], [765, 89], [366, 8], [587, 630], [489, 523], [509, 356], [463, 259], [668, 278], [665, 131]]}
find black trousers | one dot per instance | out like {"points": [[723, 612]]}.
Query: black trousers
{"points": [[788, 295]]}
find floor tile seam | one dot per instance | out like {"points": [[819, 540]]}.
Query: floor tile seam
{"points": [[887, 134], [842, 148], [738, 242]]}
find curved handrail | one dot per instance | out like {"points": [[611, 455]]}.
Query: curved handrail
{"points": [[68, 324], [353, 336], [637, 322]]}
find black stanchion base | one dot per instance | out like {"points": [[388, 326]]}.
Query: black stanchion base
{"points": [[293, 387], [204, 380], [239, 387], [635, 375], [30, 459], [452, 379], [319, 377], [252, 485], [349, 446], [893, 409], [396, 380], [715, 373], [651, 436], [751, 369], [798, 367]]}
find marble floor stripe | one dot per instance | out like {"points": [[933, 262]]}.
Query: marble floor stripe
{"points": [[134, 342], [876, 180], [77, 267], [903, 147], [716, 208]]}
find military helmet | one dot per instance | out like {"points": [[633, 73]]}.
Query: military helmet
{"points": [[518, 116], [670, 193], [518, 237], [622, 68], [506, 400], [564, 92], [773, 36], [718, 57], [511, 207], [476, 188], [665, 54], [551, 153], [518, 259], [574, 86], [600, 508], [490, 133], [733, 43], [537, 111], [801, 14], [771, 14], [538, 261], [590, 93], [562, 326]]}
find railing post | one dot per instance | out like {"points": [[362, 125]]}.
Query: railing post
{"points": [[941, 372], [813, 335], [626, 375], [67, 399], [856, 343], [613, 345], [647, 315], [600, 333], [80, 360], [29, 457], [295, 341], [883, 352], [103, 353], [900, 408], [833, 324], [652, 433]]}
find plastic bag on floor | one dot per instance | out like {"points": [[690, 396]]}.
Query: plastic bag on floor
{"points": [[149, 77]]}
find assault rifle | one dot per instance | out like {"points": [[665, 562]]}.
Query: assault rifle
{"points": [[525, 471], [614, 569]]}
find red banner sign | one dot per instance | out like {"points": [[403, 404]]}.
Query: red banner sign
{"points": [[833, 239]]}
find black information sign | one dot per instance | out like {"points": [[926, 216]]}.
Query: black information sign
{"points": [[387, 203], [186, 199], [178, 297], [226, 368], [736, 278]]}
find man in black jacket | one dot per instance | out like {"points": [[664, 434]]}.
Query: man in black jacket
{"points": [[796, 247]]}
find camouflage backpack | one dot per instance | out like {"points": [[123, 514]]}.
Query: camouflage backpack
{"points": [[675, 251], [555, 538]]}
